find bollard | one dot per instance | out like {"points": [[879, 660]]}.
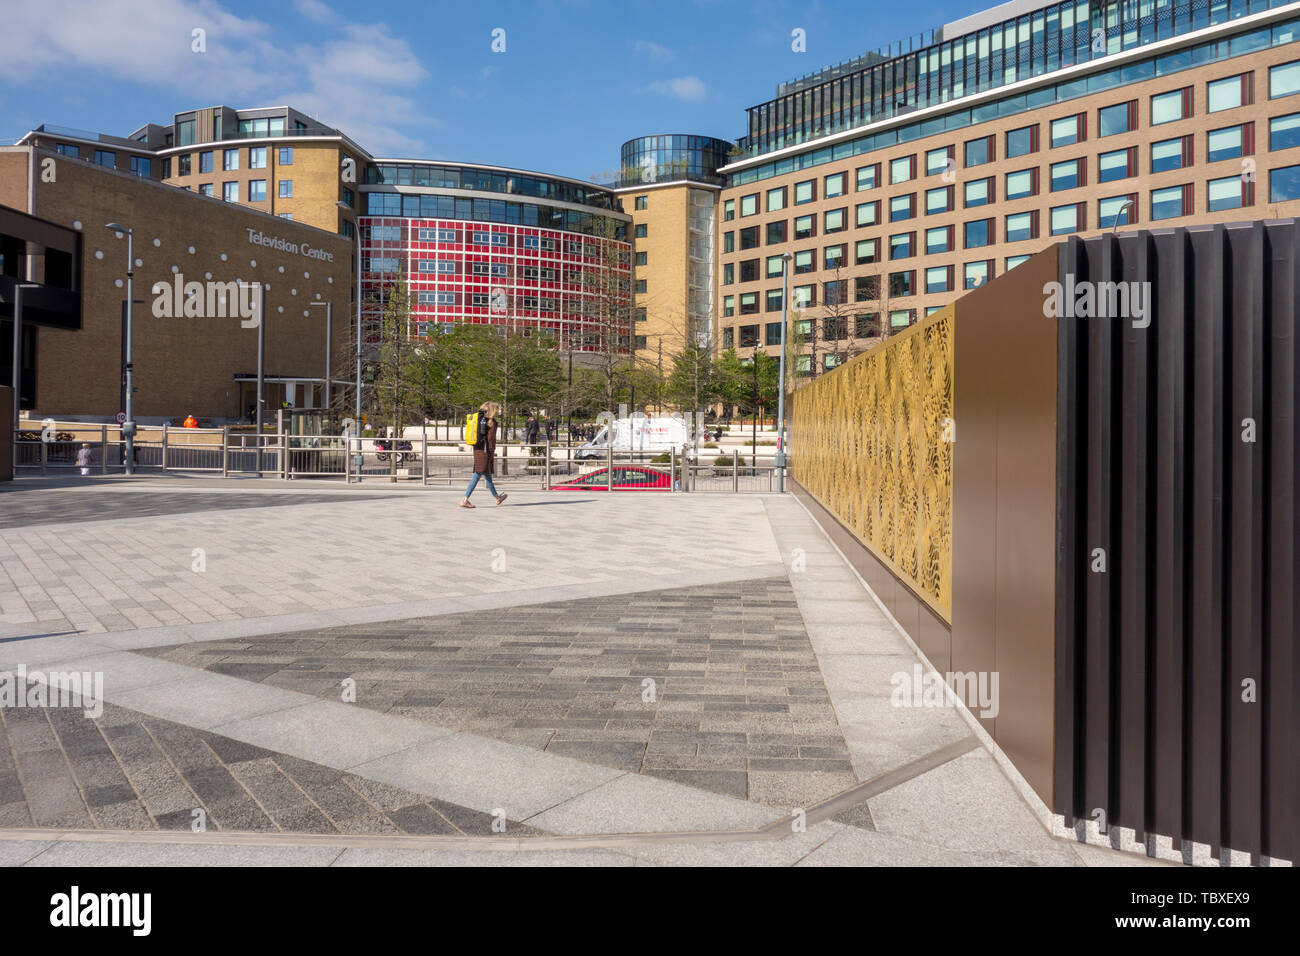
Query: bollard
{"points": [[164, 448], [735, 472], [103, 449], [672, 469], [609, 463], [546, 466], [424, 452], [225, 451]]}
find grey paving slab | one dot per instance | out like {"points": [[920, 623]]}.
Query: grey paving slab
{"points": [[80, 854], [856, 847], [205, 700], [487, 775], [636, 803], [488, 858], [335, 734], [21, 852], [787, 851], [968, 805]]}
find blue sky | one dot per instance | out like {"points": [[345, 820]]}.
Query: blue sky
{"points": [[420, 78]]}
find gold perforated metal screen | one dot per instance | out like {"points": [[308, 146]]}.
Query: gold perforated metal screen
{"points": [[872, 441]]}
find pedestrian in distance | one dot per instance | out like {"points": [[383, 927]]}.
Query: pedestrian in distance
{"points": [[84, 457], [485, 446], [530, 431]]}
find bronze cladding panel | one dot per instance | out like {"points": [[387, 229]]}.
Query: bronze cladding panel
{"points": [[1004, 476]]}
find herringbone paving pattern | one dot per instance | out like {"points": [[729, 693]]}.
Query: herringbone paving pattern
{"points": [[128, 771]]}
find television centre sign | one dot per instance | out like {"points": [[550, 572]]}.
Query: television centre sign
{"points": [[258, 238]]}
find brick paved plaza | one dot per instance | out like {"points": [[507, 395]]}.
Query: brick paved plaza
{"points": [[325, 675]]}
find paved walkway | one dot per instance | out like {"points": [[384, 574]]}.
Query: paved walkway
{"points": [[381, 677]]}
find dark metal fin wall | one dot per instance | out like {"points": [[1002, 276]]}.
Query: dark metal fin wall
{"points": [[1199, 599]]}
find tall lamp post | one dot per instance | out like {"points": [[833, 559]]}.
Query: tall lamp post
{"points": [[447, 381], [18, 347], [1122, 209], [128, 426], [780, 395], [754, 410], [329, 350]]}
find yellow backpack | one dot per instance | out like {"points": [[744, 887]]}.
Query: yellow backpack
{"points": [[475, 429]]}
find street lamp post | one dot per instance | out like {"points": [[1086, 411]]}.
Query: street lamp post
{"points": [[447, 382], [754, 410], [1123, 206], [329, 350], [128, 426], [18, 347], [780, 395]]}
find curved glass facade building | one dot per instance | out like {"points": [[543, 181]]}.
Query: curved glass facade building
{"points": [[673, 157], [494, 246]]}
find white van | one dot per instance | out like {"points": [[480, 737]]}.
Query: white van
{"points": [[636, 435]]}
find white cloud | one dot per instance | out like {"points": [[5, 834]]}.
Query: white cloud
{"points": [[653, 50], [316, 10], [356, 80], [681, 88]]}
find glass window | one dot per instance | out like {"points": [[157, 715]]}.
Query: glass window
{"points": [[804, 296], [936, 240], [805, 260], [902, 283], [1114, 165], [900, 318], [205, 161], [728, 307], [936, 279], [1116, 119], [805, 192], [867, 177], [230, 192], [286, 155], [1020, 184], [833, 256], [749, 237], [772, 330], [106, 157], [1065, 131], [257, 157], [748, 205], [868, 213], [1224, 144], [1284, 79], [1167, 107], [773, 266], [1224, 194], [977, 192], [936, 161], [207, 189], [728, 273], [1284, 184], [900, 169], [1284, 131], [901, 207], [865, 251], [140, 166], [1223, 94], [975, 274], [1066, 175], [936, 200], [772, 298], [900, 245], [728, 210], [749, 306], [1167, 203], [286, 189], [229, 159], [643, 202], [1020, 227], [67, 149], [728, 240], [749, 270], [979, 151], [1013, 261], [776, 199], [805, 227], [1021, 141], [1065, 219], [834, 185], [833, 220], [776, 232], [1115, 211], [978, 233]]}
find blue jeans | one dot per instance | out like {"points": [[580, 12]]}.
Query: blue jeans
{"points": [[473, 483]]}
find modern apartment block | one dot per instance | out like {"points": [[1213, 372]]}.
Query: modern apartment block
{"points": [[670, 185], [899, 180], [275, 159], [488, 245]]}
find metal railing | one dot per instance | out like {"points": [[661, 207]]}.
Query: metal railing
{"points": [[65, 448]]}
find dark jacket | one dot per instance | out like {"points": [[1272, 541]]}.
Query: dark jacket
{"points": [[485, 458]]}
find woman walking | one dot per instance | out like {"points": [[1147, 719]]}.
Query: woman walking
{"points": [[485, 455]]}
